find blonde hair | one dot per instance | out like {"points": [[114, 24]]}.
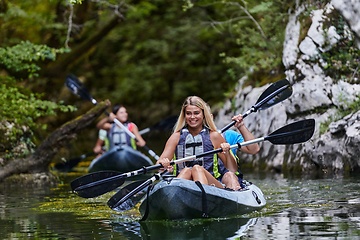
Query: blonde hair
{"points": [[198, 102]]}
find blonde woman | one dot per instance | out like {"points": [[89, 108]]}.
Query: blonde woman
{"points": [[195, 133]]}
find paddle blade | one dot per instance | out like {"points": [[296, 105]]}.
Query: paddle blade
{"points": [[276, 93], [68, 165], [293, 133], [115, 202], [97, 183], [166, 124], [78, 88]]}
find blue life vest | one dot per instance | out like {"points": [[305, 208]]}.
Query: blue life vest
{"points": [[118, 137]]}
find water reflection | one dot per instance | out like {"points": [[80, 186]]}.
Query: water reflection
{"points": [[297, 208], [195, 229]]}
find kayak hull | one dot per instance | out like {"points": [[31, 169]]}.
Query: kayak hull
{"points": [[120, 158], [181, 199]]}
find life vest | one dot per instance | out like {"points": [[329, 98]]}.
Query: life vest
{"points": [[118, 137], [189, 145]]}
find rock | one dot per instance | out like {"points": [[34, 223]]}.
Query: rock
{"points": [[315, 95], [30, 180], [350, 10]]}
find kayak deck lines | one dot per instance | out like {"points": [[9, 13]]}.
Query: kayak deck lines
{"points": [[180, 199]]}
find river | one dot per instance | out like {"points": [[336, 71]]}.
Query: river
{"points": [[326, 207]]}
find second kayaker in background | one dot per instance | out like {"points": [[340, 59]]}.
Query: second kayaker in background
{"points": [[116, 135]]}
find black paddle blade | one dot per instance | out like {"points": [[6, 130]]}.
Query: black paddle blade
{"points": [[293, 133], [115, 202], [276, 93], [166, 124], [78, 88], [96, 184], [68, 165]]}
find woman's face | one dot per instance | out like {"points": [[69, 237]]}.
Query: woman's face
{"points": [[122, 114], [194, 116]]}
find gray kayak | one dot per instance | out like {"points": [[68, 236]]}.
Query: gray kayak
{"points": [[179, 199], [120, 158]]}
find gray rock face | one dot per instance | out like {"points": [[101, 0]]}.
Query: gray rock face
{"points": [[315, 95], [350, 10]]}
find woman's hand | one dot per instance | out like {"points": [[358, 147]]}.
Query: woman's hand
{"points": [[111, 117], [165, 162]]}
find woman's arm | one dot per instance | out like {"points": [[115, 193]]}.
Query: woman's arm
{"points": [[226, 157], [105, 123], [169, 150], [140, 141]]}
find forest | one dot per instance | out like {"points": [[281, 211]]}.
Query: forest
{"points": [[147, 55]]}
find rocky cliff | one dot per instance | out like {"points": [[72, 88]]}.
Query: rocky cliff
{"points": [[325, 87]]}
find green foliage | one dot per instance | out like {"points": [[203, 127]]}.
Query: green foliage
{"points": [[343, 61], [75, 1], [24, 55], [19, 107], [260, 39], [23, 107], [259, 28], [162, 55], [152, 60], [343, 58]]}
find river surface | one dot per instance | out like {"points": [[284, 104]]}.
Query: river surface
{"points": [[297, 208]]}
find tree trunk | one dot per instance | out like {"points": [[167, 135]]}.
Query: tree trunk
{"points": [[39, 161]]}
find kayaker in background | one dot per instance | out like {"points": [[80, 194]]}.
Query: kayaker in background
{"points": [[194, 133], [233, 180], [115, 134]]}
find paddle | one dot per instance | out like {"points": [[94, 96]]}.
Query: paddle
{"points": [[127, 197], [68, 165], [78, 88], [107, 181], [164, 125], [293, 133], [274, 94]]}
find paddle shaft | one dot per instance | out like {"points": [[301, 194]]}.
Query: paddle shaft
{"points": [[151, 152], [293, 133], [76, 87], [154, 167], [138, 189], [296, 132], [256, 107], [90, 181]]}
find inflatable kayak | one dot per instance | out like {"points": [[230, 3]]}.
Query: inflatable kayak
{"points": [[179, 199], [120, 158]]}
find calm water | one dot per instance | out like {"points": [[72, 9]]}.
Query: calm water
{"points": [[306, 208]]}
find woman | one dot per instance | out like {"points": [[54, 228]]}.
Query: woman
{"points": [[194, 133], [116, 135]]}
